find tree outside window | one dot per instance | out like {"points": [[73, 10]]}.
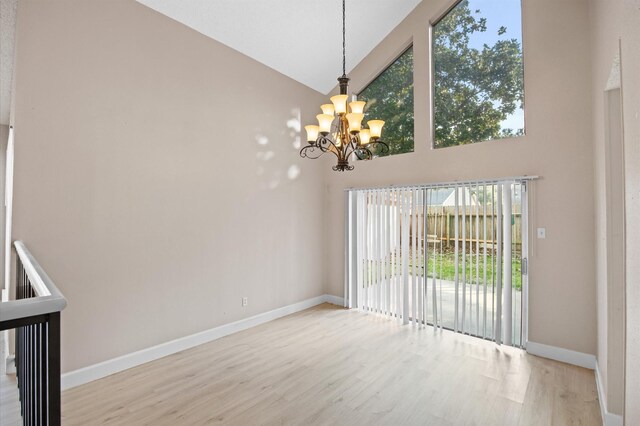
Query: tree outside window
{"points": [[390, 98], [478, 73]]}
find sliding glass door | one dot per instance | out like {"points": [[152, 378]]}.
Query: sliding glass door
{"points": [[449, 255]]}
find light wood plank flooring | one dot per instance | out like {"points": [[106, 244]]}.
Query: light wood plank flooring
{"points": [[9, 401], [332, 366]]}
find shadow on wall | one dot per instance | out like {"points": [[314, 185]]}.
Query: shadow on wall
{"points": [[274, 173]]}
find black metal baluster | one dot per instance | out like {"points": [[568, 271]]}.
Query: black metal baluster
{"points": [[25, 358], [19, 342], [32, 373], [23, 371], [18, 331], [29, 370], [23, 348], [45, 378], [34, 368], [28, 367], [27, 376], [27, 373], [53, 345], [29, 363], [20, 368], [38, 389]]}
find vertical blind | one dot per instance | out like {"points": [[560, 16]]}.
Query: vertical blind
{"points": [[450, 255]]}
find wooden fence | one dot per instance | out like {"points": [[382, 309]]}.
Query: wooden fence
{"points": [[441, 229]]}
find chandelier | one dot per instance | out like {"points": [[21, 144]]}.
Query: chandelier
{"points": [[339, 128]]}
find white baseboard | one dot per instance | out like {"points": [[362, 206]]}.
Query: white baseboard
{"points": [[124, 362], [334, 300], [563, 355], [608, 419]]}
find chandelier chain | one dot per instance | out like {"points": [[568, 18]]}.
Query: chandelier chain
{"points": [[344, 50]]}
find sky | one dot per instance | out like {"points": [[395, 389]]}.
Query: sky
{"points": [[499, 13]]}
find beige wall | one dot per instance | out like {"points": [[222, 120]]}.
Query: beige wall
{"points": [[631, 107], [558, 147], [156, 176]]}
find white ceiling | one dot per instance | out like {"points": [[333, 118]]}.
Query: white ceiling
{"points": [[299, 38]]}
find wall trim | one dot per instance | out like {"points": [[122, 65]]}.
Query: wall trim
{"points": [[334, 300], [608, 419], [580, 359], [124, 362]]}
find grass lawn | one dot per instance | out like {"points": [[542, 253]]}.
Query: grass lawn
{"points": [[445, 268]]}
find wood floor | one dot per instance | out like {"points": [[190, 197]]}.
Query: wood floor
{"points": [[9, 401], [331, 366]]}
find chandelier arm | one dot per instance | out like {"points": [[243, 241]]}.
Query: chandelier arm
{"points": [[379, 143], [314, 152], [367, 151], [352, 146], [326, 143], [311, 152]]}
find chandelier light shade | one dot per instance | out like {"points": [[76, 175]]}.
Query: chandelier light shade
{"points": [[327, 109], [340, 103], [357, 107], [339, 128]]}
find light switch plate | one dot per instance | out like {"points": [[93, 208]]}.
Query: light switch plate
{"points": [[542, 233]]}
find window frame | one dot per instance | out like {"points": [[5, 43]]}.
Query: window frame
{"points": [[432, 83]]}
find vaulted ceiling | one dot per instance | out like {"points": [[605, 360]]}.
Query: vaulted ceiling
{"points": [[299, 38]]}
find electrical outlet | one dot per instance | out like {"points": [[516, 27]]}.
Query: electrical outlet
{"points": [[245, 301], [542, 233]]}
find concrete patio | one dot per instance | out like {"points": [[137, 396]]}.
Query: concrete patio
{"points": [[477, 322]]}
